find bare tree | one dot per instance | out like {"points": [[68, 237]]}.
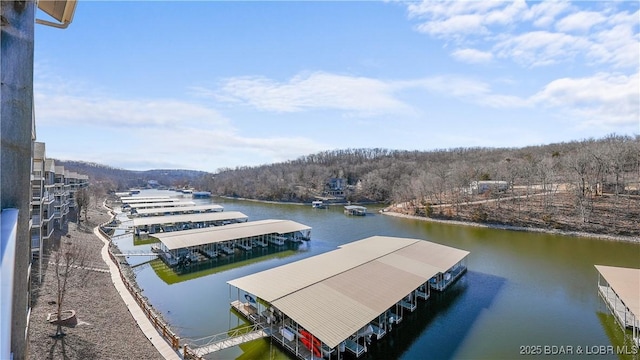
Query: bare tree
{"points": [[69, 261], [83, 198]]}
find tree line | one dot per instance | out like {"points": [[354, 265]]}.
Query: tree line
{"points": [[439, 176]]}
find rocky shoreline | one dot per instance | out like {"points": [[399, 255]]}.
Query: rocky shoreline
{"points": [[632, 239], [105, 327]]}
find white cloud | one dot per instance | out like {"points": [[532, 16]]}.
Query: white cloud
{"points": [[544, 13], [601, 100], [71, 103], [567, 31], [456, 19], [472, 56], [319, 90], [539, 48], [455, 26], [159, 133], [581, 21], [109, 112]]}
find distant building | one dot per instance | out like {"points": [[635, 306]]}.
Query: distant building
{"points": [[335, 187], [480, 187]]}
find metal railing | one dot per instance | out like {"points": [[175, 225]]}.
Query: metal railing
{"points": [[194, 348]]}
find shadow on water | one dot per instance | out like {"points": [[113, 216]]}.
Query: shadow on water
{"points": [[173, 275], [621, 339], [441, 323]]}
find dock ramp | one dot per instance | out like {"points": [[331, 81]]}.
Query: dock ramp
{"points": [[210, 344]]}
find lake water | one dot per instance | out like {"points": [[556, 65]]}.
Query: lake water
{"points": [[522, 290]]}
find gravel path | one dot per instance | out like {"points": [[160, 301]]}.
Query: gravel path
{"points": [[105, 329]]}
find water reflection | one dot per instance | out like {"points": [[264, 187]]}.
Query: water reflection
{"points": [[520, 289]]}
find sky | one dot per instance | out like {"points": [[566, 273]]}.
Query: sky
{"points": [[208, 85]]}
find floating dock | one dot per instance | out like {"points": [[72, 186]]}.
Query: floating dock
{"points": [[177, 210], [189, 246], [157, 204], [336, 302], [159, 224], [619, 288], [355, 210], [141, 199]]}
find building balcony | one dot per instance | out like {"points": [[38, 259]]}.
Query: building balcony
{"points": [[35, 244], [48, 198]]}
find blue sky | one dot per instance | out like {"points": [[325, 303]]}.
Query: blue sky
{"points": [[205, 85]]}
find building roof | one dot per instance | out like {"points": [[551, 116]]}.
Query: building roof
{"points": [[139, 199], [185, 218], [186, 238], [354, 207], [335, 294], [50, 165], [180, 209], [38, 150], [166, 203], [626, 283]]}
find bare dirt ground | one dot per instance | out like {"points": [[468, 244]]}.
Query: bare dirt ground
{"points": [[608, 216], [105, 329]]}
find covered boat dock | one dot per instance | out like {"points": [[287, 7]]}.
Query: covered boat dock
{"points": [[619, 288], [176, 210], [155, 205], [355, 210], [335, 302], [142, 199], [202, 244], [168, 223]]}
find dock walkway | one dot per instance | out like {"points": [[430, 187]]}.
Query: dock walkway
{"points": [[234, 338], [143, 322]]}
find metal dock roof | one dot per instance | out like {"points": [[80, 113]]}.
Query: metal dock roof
{"points": [[185, 218], [140, 199], [186, 238], [626, 283], [162, 204], [179, 209], [335, 294]]}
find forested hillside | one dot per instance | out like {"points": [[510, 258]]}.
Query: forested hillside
{"points": [[398, 176], [560, 186], [114, 179]]}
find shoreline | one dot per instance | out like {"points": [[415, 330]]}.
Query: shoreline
{"points": [[622, 238], [629, 239]]}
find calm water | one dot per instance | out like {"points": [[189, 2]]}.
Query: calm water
{"points": [[522, 289]]}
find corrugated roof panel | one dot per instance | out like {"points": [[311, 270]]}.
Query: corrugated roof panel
{"points": [[327, 321], [139, 199], [335, 294], [181, 239], [418, 268], [375, 284], [179, 209], [165, 203], [441, 256], [182, 218], [280, 281], [380, 244], [626, 283]]}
